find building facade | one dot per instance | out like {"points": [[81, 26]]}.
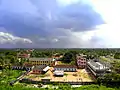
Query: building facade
{"points": [[66, 68], [42, 61], [26, 67], [38, 69], [81, 61], [97, 68]]}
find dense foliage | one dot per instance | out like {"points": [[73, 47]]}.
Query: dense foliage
{"points": [[62, 87], [69, 57], [6, 76], [117, 55]]}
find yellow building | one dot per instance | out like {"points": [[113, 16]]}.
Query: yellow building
{"points": [[42, 61]]}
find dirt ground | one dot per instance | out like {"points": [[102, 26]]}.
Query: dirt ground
{"points": [[81, 76]]}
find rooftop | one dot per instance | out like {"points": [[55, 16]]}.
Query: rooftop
{"points": [[26, 64], [40, 59], [59, 72], [97, 65], [40, 67], [65, 66]]}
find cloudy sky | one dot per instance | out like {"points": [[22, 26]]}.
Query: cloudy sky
{"points": [[59, 23]]}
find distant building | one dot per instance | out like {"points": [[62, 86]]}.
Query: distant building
{"points": [[42, 61], [66, 68], [26, 66], [81, 61], [24, 55], [97, 68], [40, 69], [17, 67]]}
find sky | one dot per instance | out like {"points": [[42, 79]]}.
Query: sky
{"points": [[59, 24]]}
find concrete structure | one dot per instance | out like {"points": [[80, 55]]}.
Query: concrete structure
{"points": [[58, 73], [42, 61], [46, 69], [66, 68], [81, 61], [97, 68]]}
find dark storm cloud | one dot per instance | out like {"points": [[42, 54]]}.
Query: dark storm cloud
{"points": [[42, 18], [81, 17], [78, 16]]}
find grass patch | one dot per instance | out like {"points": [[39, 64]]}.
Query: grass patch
{"points": [[65, 74], [62, 63], [8, 75], [42, 75]]}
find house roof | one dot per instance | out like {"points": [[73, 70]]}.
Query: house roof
{"points": [[46, 68], [40, 59], [97, 65], [40, 67], [65, 66], [59, 73], [27, 64], [23, 55]]}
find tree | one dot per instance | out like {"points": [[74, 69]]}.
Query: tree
{"points": [[69, 56], [117, 55]]}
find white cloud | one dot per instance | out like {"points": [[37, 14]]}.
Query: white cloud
{"points": [[67, 2], [109, 32], [9, 38]]}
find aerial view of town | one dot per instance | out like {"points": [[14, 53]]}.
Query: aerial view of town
{"points": [[60, 68], [59, 45]]}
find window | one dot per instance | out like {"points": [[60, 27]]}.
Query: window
{"points": [[68, 69], [73, 69]]}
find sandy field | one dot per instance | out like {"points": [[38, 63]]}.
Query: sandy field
{"points": [[80, 76]]}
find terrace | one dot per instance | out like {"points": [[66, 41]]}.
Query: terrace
{"points": [[97, 66]]}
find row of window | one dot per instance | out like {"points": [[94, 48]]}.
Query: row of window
{"points": [[66, 69], [42, 61], [79, 63], [40, 64]]}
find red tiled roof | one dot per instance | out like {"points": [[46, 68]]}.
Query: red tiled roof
{"points": [[23, 55], [28, 64]]}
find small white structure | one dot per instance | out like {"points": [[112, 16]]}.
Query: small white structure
{"points": [[58, 73], [46, 69]]}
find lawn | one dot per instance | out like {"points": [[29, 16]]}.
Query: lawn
{"points": [[110, 60], [8, 75], [61, 63], [37, 77]]}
